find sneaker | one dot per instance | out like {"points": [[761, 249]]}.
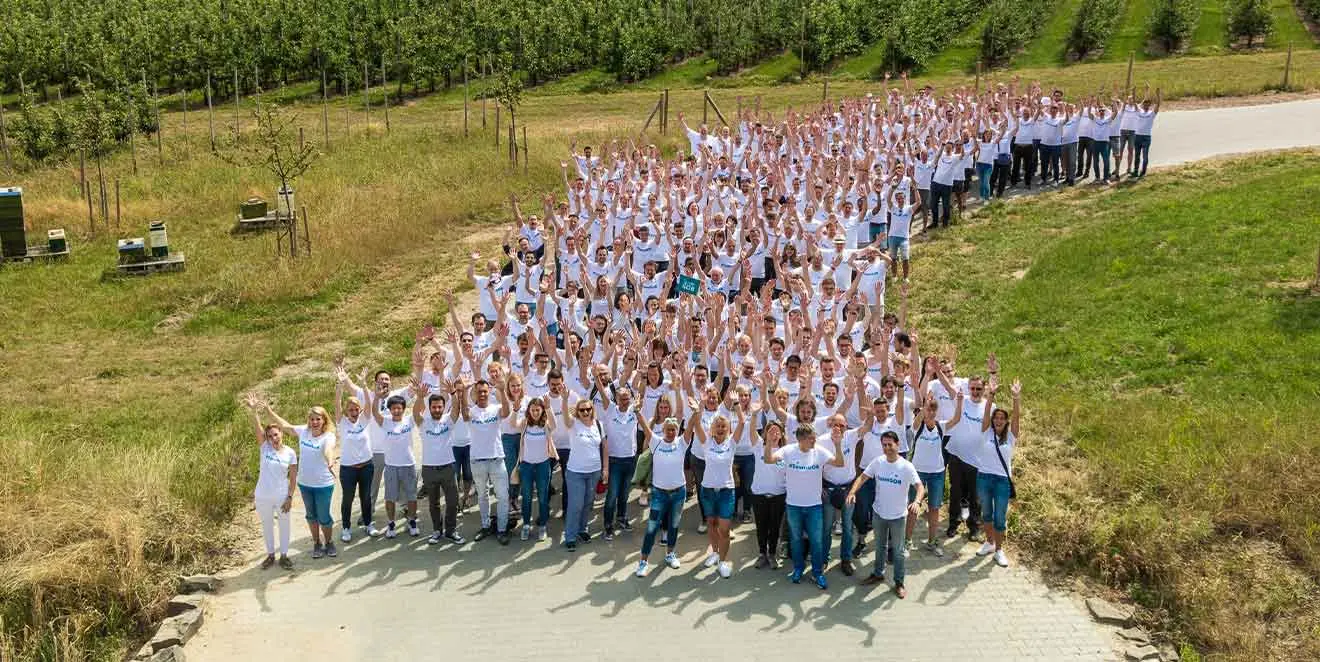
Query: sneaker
{"points": [[412, 528], [625, 525], [1001, 558], [609, 535], [762, 562], [570, 546], [934, 548], [455, 538], [907, 553], [390, 532], [701, 528], [270, 561], [346, 536], [838, 527], [671, 560], [746, 517], [820, 582], [503, 537], [951, 533], [847, 567], [776, 564], [900, 591], [873, 579], [372, 531], [482, 533], [987, 547], [286, 563], [726, 569], [795, 576], [330, 550], [858, 549], [526, 532], [711, 560], [584, 537], [541, 534], [435, 538], [964, 513], [642, 568], [318, 551]]}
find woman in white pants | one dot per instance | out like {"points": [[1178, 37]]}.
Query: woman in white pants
{"points": [[273, 496]]}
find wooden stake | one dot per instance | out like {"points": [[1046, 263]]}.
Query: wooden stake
{"points": [[385, 85], [497, 126], [82, 170], [705, 107], [325, 111], [825, 91], [91, 223], [524, 146], [210, 115], [185, 122], [483, 108], [237, 97], [4, 141], [160, 128], [116, 203], [132, 147], [347, 105], [664, 114], [1132, 57], [714, 106], [465, 96], [307, 235], [1287, 68], [302, 142], [366, 96], [654, 110], [978, 76]]}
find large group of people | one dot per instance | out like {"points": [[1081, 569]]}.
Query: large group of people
{"points": [[712, 328]]}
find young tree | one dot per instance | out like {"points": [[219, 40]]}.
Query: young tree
{"points": [[275, 147], [1172, 23], [1250, 20]]}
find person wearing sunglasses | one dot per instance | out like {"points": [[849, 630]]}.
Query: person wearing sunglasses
{"points": [[668, 491], [582, 471]]}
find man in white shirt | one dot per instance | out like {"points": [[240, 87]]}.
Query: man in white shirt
{"points": [[894, 478], [804, 468]]}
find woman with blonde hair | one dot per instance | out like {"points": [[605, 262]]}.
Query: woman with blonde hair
{"points": [[316, 482], [276, 476], [355, 467], [717, 492]]}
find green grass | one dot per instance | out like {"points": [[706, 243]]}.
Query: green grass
{"points": [[1047, 49], [1167, 336], [1288, 28], [780, 68], [1211, 35], [864, 65], [1132, 33], [961, 53]]}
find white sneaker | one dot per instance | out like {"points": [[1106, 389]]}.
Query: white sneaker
{"points": [[726, 569], [907, 553], [642, 568], [390, 532], [413, 530], [712, 559], [541, 534], [701, 528], [435, 538], [964, 514], [1001, 559], [986, 548], [671, 560], [526, 532], [372, 531], [346, 535]]}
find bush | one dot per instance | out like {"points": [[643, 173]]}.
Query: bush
{"points": [[1009, 27], [1249, 20], [1094, 24], [1173, 21], [1311, 8], [921, 29]]}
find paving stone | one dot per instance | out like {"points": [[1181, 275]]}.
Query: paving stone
{"points": [[177, 630], [1109, 613], [181, 603]]}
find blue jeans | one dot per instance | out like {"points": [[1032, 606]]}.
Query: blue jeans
{"points": [[356, 480], [316, 501], [862, 509], [806, 519], [616, 493], [889, 534], [1100, 150], [535, 475], [511, 444], [744, 469], [983, 177], [993, 491], [581, 489], [832, 513], [1141, 145], [666, 510], [463, 464]]}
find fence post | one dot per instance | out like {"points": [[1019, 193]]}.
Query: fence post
{"points": [[91, 221], [185, 122], [825, 91], [465, 95], [1132, 56], [210, 113], [497, 126], [116, 203], [654, 109], [664, 115], [237, 100], [4, 141], [325, 111], [483, 107], [302, 143], [524, 146], [160, 128], [366, 96], [1287, 68], [978, 76], [705, 106], [307, 233], [385, 85]]}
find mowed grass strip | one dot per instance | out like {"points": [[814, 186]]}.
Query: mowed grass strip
{"points": [[1048, 48], [1169, 343], [1132, 33]]}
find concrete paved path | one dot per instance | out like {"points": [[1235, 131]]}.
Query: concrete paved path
{"points": [[1191, 135]]}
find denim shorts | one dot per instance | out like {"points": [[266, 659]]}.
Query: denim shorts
{"points": [[993, 491], [316, 501], [718, 502], [934, 483], [898, 247]]}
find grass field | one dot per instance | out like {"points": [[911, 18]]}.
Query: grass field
{"points": [[1131, 34], [1170, 346], [121, 395], [1047, 49]]}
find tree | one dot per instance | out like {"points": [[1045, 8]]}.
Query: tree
{"points": [[1172, 23], [1249, 20], [276, 148], [1093, 25]]}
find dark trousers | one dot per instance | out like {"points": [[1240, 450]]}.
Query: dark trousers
{"points": [[998, 182], [939, 203], [437, 480], [769, 513], [962, 492], [698, 469], [616, 494], [355, 480], [744, 469], [862, 510], [563, 476], [1084, 157], [1024, 163]]}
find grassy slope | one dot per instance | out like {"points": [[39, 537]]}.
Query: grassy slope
{"points": [[1164, 333], [1211, 35], [961, 53], [1288, 28], [1131, 34], [1047, 49]]}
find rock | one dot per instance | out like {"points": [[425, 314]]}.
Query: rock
{"points": [[177, 630], [171, 654], [1141, 653], [198, 583], [1169, 654], [1109, 613], [144, 652], [1134, 635], [181, 603]]}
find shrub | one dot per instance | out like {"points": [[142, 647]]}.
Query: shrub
{"points": [[1009, 27], [1093, 25], [1249, 20], [1173, 21], [1311, 8], [922, 28]]}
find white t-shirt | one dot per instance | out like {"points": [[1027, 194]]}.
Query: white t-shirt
{"points": [[803, 471], [376, 433], [892, 482], [719, 464], [620, 432], [947, 400], [584, 448], [928, 447], [900, 225], [988, 461], [315, 472], [845, 474], [499, 287], [273, 473], [562, 412], [965, 437], [484, 431], [667, 464], [534, 449], [437, 441], [356, 445], [398, 442]]}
